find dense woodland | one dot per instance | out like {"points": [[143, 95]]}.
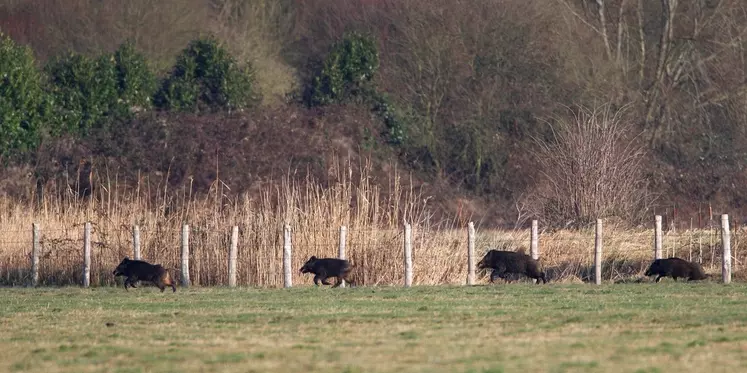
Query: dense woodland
{"points": [[501, 110]]}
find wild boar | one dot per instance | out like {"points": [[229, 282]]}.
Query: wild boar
{"points": [[139, 270], [508, 262], [324, 268], [675, 268]]}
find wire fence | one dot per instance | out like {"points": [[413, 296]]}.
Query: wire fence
{"points": [[437, 256]]}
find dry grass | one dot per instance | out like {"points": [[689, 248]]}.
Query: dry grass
{"points": [[373, 216]]}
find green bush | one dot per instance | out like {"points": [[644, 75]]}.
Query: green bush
{"points": [[207, 76], [136, 84], [84, 91], [349, 66], [22, 99], [393, 118]]}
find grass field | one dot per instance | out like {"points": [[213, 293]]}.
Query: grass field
{"points": [[665, 327]]}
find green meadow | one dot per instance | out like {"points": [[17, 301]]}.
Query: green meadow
{"points": [[665, 327]]}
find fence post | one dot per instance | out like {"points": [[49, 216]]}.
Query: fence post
{"points": [[471, 254], [87, 255], [408, 255], [232, 254], [658, 238], [185, 256], [726, 252], [534, 244], [35, 255], [341, 250], [690, 252], [287, 274], [598, 253], [136, 241], [735, 263]]}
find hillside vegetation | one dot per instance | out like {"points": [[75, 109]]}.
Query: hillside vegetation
{"points": [[500, 110]]}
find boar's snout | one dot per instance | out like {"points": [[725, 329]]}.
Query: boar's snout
{"points": [[119, 271]]}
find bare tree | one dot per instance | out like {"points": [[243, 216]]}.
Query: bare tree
{"points": [[591, 167]]}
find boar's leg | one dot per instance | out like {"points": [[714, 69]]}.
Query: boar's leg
{"points": [[321, 277], [659, 277], [498, 271], [493, 276], [131, 281], [126, 282]]}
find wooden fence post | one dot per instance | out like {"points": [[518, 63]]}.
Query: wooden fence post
{"points": [[87, 255], [471, 253], [185, 256], [136, 242], [658, 238], [726, 252], [287, 271], [408, 255], [690, 252], [598, 253], [35, 250], [341, 249], [232, 254], [735, 262], [534, 244]]}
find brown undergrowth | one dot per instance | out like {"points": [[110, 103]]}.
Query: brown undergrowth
{"points": [[374, 218]]}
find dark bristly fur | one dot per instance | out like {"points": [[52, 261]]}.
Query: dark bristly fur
{"points": [[508, 262], [325, 268], [675, 268], [138, 270]]}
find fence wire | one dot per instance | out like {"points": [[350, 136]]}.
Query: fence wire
{"points": [[439, 256]]}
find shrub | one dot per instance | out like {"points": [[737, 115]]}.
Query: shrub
{"points": [[592, 168], [393, 118], [22, 99], [349, 66], [207, 76], [84, 91], [136, 84]]}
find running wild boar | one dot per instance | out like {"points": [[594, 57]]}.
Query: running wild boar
{"points": [[675, 268], [324, 268], [138, 270], [508, 262]]}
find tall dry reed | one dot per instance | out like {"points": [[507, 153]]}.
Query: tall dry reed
{"points": [[374, 216]]}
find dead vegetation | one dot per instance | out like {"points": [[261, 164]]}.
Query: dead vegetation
{"points": [[373, 216], [475, 84]]}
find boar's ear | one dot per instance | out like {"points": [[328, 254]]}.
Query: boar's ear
{"points": [[126, 259], [312, 258]]}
